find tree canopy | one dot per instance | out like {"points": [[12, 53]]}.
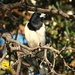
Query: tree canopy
{"points": [[60, 31]]}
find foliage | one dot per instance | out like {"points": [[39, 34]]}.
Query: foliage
{"points": [[60, 31]]}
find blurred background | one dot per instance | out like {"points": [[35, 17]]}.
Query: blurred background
{"points": [[59, 30]]}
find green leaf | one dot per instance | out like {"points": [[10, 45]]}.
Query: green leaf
{"points": [[53, 7], [2, 72]]}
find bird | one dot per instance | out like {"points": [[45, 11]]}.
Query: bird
{"points": [[35, 30], [35, 34]]}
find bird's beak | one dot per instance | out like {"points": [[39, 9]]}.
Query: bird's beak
{"points": [[42, 15]]}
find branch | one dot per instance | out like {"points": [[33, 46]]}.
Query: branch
{"points": [[21, 14], [48, 11], [45, 58], [4, 55], [24, 50], [19, 65], [6, 7]]}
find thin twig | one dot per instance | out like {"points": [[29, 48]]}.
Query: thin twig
{"points": [[19, 65], [4, 55]]}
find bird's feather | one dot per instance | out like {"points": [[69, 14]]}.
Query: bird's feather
{"points": [[35, 30], [34, 38]]}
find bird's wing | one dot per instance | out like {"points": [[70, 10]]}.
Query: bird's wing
{"points": [[41, 35], [31, 37]]}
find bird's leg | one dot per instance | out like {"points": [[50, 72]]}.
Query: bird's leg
{"points": [[39, 46]]}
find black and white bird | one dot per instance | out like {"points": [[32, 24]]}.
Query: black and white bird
{"points": [[35, 30]]}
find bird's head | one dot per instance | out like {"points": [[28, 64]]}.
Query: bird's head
{"points": [[38, 15], [37, 19]]}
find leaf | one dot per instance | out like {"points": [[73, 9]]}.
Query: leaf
{"points": [[2, 72], [69, 52], [54, 7], [72, 64]]}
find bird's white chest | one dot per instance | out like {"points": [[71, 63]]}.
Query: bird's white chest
{"points": [[34, 38]]}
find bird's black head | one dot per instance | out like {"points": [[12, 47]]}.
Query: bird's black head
{"points": [[36, 21]]}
